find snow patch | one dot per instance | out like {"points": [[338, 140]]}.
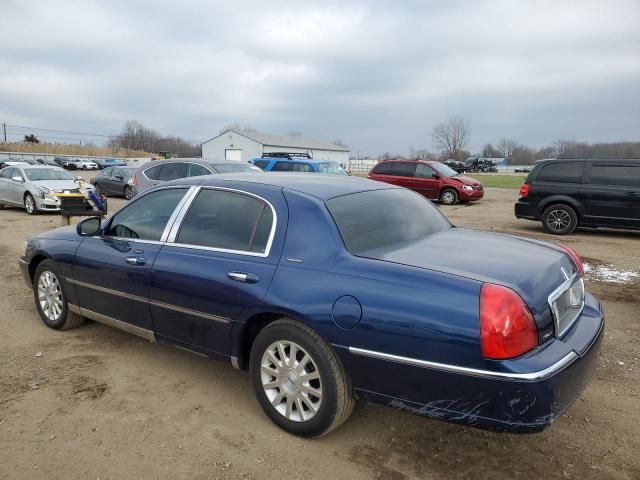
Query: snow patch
{"points": [[608, 273]]}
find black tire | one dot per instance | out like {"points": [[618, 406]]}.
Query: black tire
{"points": [[84, 167], [337, 399], [128, 192], [559, 219], [449, 196], [30, 204], [66, 319]]}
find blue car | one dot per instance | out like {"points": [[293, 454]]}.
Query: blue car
{"points": [[298, 164], [333, 289]]}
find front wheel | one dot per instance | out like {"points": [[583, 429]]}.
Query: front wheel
{"points": [[128, 192], [298, 379], [51, 300], [30, 204], [449, 197]]}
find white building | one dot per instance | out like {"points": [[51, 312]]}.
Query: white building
{"points": [[244, 145]]}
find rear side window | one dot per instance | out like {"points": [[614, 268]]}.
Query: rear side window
{"points": [[384, 218], [302, 167], [282, 167], [196, 170], [402, 169], [616, 175], [261, 163], [562, 172], [153, 173], [227, 220], [173, 171], [146, 217]]}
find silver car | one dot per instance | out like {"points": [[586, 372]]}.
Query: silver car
{"points": [[159, 171], [32, 187]]}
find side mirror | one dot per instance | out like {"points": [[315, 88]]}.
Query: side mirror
{"points": [[435, 175], [89, 226], [17, 178], [119, 177]]}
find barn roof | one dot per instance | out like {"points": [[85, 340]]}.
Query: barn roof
{"points": [[283, 141]]}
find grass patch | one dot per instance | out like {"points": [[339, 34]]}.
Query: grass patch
{"points": [[499, 181]]}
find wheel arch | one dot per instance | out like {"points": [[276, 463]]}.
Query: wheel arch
{"points": [[563, 200], [33, 264]]}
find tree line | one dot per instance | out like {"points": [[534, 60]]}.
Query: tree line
{"points": [[135, 136]]}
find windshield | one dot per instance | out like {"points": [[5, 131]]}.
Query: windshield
{"points": [[37, 174], [443, 169], [235, 168], [331, 168], [384, 218]]}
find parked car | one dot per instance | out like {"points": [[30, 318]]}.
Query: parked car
{"points": [[332, 288], [114, 181], [160, 171], [11, 163], [85, 164], [480, 165], [522, 170], [50, 162], [60, 161], [299, 164], [31, 187], [115, 162], [569, 193], [70, 163], [434, 180]]}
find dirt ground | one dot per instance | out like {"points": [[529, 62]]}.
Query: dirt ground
{"points": [[99, 403]]}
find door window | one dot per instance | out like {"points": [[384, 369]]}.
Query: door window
{"points": [[563, 172], [196, 170], [261, 163], [424, 171], [227, 220], [107, 172], [153, 173], [7, 173], [147, 217], [616, 175], [382, 168], [172, 171], [282, 167], [403, 169], [302, 167], [117, 172]]}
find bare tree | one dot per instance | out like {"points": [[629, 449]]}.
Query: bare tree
{"points": [[506, 146], [451, 137], [294, 133]]}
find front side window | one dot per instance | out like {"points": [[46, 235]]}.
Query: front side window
{"points": [[562, 172], [227, 220], [173, 171], [302, 167], [402, 169], [146, 218], [7, 172], [384, 219], [424, 171], [107, 172], [443, 169], [282, 167], [616, 175], [261, 163]]}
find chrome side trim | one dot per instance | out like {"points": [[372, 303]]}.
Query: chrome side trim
{"points": [[188, 311], [547, 372], [117, 293], [234, 363], [175, 229], [112, 322], [74, 308]]}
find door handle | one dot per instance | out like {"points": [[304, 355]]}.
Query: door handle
{"points": [[243, 277], [138, 261]]}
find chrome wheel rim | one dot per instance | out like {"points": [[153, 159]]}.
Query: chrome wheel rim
{"points": [[448, 197], [559, 220], [29, 204], [291, 381], [50, 296]]}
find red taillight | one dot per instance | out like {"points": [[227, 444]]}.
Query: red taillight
{"points": [[133, 181], [507, 328], [524, 190], [575, 258]]}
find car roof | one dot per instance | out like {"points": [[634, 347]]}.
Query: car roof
{"points": [[321, 186], [295, 159], [584, 159], [206, 161]]}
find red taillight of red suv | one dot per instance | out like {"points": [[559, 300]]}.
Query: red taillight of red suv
{"points": [[507, 328], [575, 258], [524, 191]]}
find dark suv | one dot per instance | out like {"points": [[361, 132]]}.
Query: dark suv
{"points": [[568, 193]]}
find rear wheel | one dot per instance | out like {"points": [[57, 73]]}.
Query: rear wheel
{"points": [[128, 192], [51, 299], [449, 196], [298, 379], [30, 204], [559, 219]]}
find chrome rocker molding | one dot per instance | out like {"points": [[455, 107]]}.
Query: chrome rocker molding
{"points": [[547, 372], [112, 322]]}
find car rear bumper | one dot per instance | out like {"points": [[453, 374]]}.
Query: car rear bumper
{"points": [[524, 209], [525, 402]]}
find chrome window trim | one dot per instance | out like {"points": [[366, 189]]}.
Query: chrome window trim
{"points": [[177, 160], [557, 293], [547, 372], [183, 213], [176, 211]]}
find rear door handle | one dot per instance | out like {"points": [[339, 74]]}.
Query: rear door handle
{"points": [[138, 261], [243, 277]]}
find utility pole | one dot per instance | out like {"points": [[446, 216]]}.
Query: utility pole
{"points": [[4, 129]]}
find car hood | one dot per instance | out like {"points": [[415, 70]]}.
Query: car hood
{"points": [[466, 180], [58, 185], [60, 233], [531, 268]]}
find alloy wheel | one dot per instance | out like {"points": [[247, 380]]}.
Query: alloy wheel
{"points": [[50, 296], [291, 381], [559, 220], [29, 204], [448, 197]]}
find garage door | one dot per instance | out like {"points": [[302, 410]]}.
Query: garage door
{"points": [[233, 154]]}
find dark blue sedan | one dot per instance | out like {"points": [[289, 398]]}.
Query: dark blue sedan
{"points": [[332, 289]]}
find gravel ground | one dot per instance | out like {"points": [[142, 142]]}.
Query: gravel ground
{"points": [[97, 403]]}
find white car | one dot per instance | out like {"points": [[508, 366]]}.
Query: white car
{"points": [[80, 164]]}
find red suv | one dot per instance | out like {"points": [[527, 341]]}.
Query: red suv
{"points": [[434, 180]]}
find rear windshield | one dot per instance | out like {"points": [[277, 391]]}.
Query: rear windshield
{"points": [[384, 218], [235, 168]]}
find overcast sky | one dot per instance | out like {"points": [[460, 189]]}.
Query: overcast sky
{"points": [[377, 75]]}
